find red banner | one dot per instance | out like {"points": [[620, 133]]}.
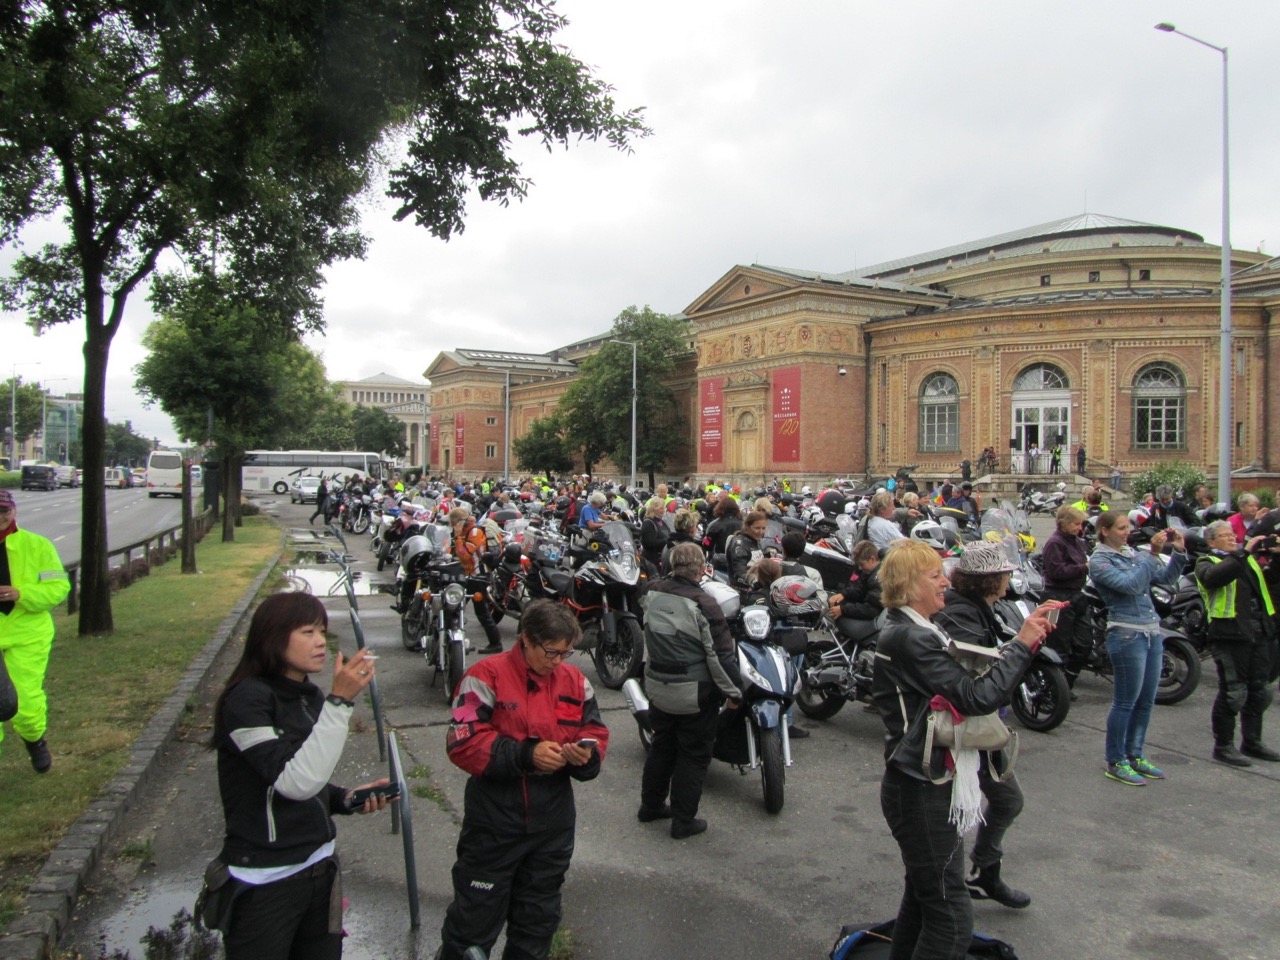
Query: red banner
{"points": [[459, 428], [786, 415], [711, 432], [435, 441]]}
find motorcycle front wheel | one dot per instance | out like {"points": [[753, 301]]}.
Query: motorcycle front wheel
{"points": [[619, 659], [773, 772], [1179, 671], [817, 703], [361, 522], [1042, 699], [453, 657]]}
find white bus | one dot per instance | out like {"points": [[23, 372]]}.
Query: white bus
{"points": [[273, 470], [164, 473]]}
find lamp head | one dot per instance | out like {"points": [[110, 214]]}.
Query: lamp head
{"points": [[1166, 27], [841, 370]]}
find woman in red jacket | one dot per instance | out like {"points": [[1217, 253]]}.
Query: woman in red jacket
{"points": [[525, 725]]}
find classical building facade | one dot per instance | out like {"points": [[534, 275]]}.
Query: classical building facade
{"points": [[1093, 332], [408, 401]]}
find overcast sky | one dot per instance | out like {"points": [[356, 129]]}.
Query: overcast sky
{"points": [[825, 135]]}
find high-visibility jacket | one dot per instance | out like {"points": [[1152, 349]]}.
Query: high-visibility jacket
{"points": [[41, 580], [1220, 604]]}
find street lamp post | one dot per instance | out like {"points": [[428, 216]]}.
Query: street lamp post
{"points": [[632, 345], [1224, 354], [13, 411], [506, 428]]}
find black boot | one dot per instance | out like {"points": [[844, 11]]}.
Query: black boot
{"points": [[1228, 754], [985, 884], [41, 758]]}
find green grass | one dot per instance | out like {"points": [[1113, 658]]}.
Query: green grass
{"points": [[103, 689], [561, 945], [141, 851]]}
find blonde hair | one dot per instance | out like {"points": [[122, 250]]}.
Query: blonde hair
{"points": [[1068, 514], [656, 507], [901, 569]]}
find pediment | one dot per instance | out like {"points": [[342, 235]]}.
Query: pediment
{"points": [[737, 286], [441, 366]]}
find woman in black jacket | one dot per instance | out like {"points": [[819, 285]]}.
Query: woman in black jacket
{"points": [[913, 665], [279, 739], [977, 582]]}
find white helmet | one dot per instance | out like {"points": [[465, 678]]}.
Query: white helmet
{"points": [[806, 491], [934, 534]]}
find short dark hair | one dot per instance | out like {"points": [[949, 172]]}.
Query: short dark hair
{"points": [[792, 544], [979, 586], [544, 621]]}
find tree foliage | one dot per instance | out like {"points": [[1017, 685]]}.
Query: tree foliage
{"points": [[1181, 476], [544, 450], [25, 400], [597, 408], [125, 447], [241, 136], [375, 429]]}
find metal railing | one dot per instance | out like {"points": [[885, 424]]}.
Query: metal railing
{"points": [[156, 549]]}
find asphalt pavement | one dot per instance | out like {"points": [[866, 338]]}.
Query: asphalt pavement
{"points": [[131, 516], [1184, 869]]}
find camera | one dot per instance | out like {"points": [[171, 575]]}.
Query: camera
{"points": [[1269, 542]]}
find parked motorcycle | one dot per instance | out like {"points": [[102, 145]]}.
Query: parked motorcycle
{"points": [[754, 736], [435, 621], [1037, 501], [837, 668], [602, 594]]}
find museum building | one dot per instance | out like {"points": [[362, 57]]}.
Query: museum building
{"points": [[1092, 331]]}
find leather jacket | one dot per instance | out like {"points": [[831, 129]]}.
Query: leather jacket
{"points": [[912, 666], [738, 554]]}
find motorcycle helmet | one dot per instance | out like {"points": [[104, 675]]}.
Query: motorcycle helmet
{"points": [[934, 534], [511, 553], [812, 514], [795, 596], [415, 550], [831, 502], [806, 491]]}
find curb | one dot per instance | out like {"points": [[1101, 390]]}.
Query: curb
{"points": [[51, 897]]}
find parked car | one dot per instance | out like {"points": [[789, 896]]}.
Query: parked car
{"points": [[304, 490], [118, 479], [68, 476], [39, 476]]}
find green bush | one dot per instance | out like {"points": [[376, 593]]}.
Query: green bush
{"points": [[1266, 497], [10, 479], [1183, 477]]}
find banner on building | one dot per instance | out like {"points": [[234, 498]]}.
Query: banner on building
{"points": [[786, 415], [459, 428], [711, 432], [435, 441]]}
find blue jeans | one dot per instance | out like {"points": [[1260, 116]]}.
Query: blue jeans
{"points": [[1137, 657]]}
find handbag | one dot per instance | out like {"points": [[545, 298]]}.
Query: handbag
{"points": [[8, 693]]}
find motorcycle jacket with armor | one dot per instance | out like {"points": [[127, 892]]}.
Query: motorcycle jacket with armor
{"points": [[689, 646], [1236, 598], [502, 710], [739, 553]]}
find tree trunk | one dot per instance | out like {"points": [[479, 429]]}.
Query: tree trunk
{"points": [[95, 585], [188, 531], [228, 505]]}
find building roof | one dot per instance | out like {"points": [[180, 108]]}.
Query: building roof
{"points": [[386, 378], [525, 363], [1088, 231], [848, 280]]}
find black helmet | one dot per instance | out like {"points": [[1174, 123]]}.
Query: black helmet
{"points": [[511, 553]]}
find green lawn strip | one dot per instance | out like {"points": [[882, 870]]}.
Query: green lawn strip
{"points": [[103, 690]]}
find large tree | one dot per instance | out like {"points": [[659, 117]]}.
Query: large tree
{"points": [[543, 448], [598, 406], [125, 447], [23, 401], [377, 430], [244, 132]]}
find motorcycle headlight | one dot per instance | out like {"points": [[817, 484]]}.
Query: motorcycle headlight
{"points": [[1018, 581], [749, 672], [627, 567], [1161, 594], [453, 596], [756, 623]]}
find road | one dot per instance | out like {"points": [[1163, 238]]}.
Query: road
{"points": [[131, 516], [1185, 869]]}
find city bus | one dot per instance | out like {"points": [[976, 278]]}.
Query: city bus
{"points": [[271, 471]]}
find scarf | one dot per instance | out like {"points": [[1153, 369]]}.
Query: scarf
{"points": [[966, 793]]}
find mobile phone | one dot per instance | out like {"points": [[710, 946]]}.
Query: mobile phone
{"points": [[1052, 615], [361, 796], [588, 743]]}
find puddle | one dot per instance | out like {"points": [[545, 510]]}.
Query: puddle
{"points": [[329, 582], [125, 927]]}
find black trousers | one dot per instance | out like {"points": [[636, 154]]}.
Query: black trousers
{"points": [[1244, 689], [1073, 638], [1004, 803], [512, 880], [285, 920], [322, 509], [678, 761], [935, 918], [485, 616]]}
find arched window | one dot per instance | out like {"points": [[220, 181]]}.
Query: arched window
{"points": [[939, 413], [1159, 408], [1041, 376]]}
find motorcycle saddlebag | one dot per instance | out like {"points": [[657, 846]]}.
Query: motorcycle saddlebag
{"points": [[731, 738], [861, 941]]}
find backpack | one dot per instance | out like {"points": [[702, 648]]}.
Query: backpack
{"points": [[860, 941]]}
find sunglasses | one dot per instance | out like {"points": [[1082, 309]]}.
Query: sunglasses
{"points": [[6, 509]]}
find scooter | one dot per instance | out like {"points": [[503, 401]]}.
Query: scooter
{"points": [[754, 736]]}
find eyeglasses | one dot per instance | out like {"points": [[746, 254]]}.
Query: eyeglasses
{"points": [[553, 654], [6, 509]]}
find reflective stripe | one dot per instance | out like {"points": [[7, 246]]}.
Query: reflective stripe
{"points": [[247, 737], [53, 575]]}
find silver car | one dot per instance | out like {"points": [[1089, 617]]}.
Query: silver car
{"points": [[304, 490]]}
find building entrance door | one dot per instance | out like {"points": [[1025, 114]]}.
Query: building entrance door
{"points": [[1039, 423]]}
